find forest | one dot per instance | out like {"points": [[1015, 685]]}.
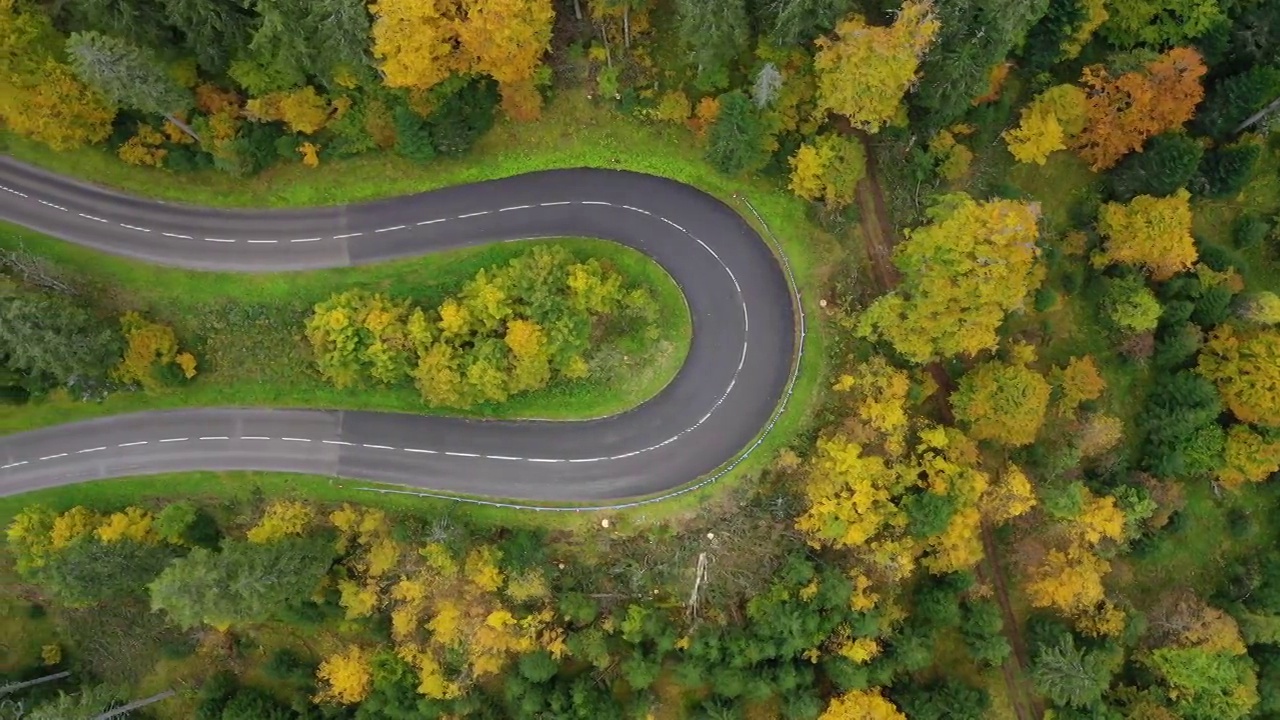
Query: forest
{"points": [[1029, 472]]}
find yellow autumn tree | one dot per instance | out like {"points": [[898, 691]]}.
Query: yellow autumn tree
{"points": [[40, 97], [415, 41], [1002, 402], [864, 71], [862, 705], [1069, 578], [302, 109], [1150, 232], [134, 523], [1245, 365], [149, 347], [1037, 135], [879, 393], [961, 275], [506, 40], [346, 677], [144, 148], [282, 518], [1249, 457], [828, 169], [72, 525], [1010, 496], [1077, 382]]}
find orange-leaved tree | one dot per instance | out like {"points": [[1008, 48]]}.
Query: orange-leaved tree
{"points": [[1123, 112]]}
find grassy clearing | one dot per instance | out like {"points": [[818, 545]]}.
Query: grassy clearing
{"points": [[572, 133], [247, 332]]}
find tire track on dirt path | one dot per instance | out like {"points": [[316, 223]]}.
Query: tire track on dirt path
{"points": [[881, 237]]}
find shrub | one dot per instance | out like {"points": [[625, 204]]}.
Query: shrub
{"points": [[1249, 230], [1130, 305], [1225, 171], [1167, 162]]}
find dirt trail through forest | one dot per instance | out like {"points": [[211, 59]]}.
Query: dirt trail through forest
{"points": [[880, 238]]}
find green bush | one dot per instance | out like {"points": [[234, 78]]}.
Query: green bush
{"points": [[1167, 162], [1225, 171], [1249, 231], [1046, 299]]}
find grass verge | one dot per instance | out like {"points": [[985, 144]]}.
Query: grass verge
{"points": [[247, 331]]}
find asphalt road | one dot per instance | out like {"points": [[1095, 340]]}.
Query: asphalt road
{"points": [[739, 363]]}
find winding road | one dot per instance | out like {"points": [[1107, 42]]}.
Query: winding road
{"points": [[739, 367]]}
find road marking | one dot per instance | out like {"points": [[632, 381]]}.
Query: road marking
{"points": [[619, 457], [132, 444], [53, 457], [89, 450], [90, 217], [295, 439], [646, 212], [262, 242], [254, 437], [175, 439], [502, 457], [378, 447], [11, 190], [176, 235], [222, 240], [544, 460], [343, 237], [425, 452], [676, 227], [6, 467], [474, 214], [432, 222], [389, 229], [55, 207], [458, 454], [515, 207], [596, 202], [553, 204], [134, 227], [303, 240], [215, 437], [589, 459], [336, 442]]}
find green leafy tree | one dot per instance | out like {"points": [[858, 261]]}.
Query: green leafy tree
{"points": [[128, 75], [211, 29], [53, 342], [1130, 305], [1072, 676], [90, 571], [245, 582], [1226, 170], [1166, 164], [735, 143], [1180, 425], [715, 33], [138, 21], [975, 36], [1232, 100], [299, 39], [799, 22], [1159, 23], [1203, 684], [87, 704]]}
